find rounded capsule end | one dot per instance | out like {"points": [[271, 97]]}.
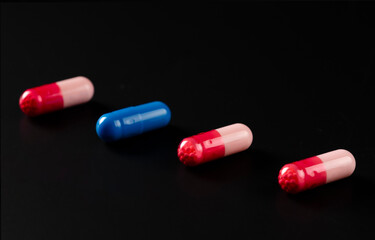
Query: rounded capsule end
{"points": [[107, 129], [30, 103], [288, 179], [168, 114], [248, 139], [189, 152], [351, 163], [89, 86]]}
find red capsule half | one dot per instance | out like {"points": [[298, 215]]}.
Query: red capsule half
{"points": [[56, 96], [315, 171], [214, 144]]}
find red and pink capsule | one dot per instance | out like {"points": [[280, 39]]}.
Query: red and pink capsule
{"points": [[214, 144], [315, 171], [56, 96]]}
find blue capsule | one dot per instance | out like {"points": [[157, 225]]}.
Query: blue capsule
{"points": [[132, 121]]}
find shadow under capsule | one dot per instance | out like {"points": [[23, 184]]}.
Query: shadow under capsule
{"points": [[88, 113], [250, 164], [237, 171], [161, 140], [343, 193]]}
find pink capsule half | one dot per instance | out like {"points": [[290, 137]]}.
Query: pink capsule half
{"points": [[315, 171], [55, 96], [214, 144]]}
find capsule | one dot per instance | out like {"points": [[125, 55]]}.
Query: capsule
{"points": [[132, 121], [315, 171], [55, 96], [214, 144]]}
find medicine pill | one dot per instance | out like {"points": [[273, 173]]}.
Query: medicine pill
{"points": [[56, 96], [214, 144], [315, 171], [132, 121]]}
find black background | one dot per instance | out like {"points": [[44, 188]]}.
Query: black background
{"points": [[300, 75]]}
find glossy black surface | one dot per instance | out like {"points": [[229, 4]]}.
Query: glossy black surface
{"points": [[299, 75]]}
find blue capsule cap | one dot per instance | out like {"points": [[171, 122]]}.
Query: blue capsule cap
{"points": [[132, 121]]}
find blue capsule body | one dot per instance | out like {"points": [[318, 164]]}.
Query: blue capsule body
{"points": [[132, 121]]}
